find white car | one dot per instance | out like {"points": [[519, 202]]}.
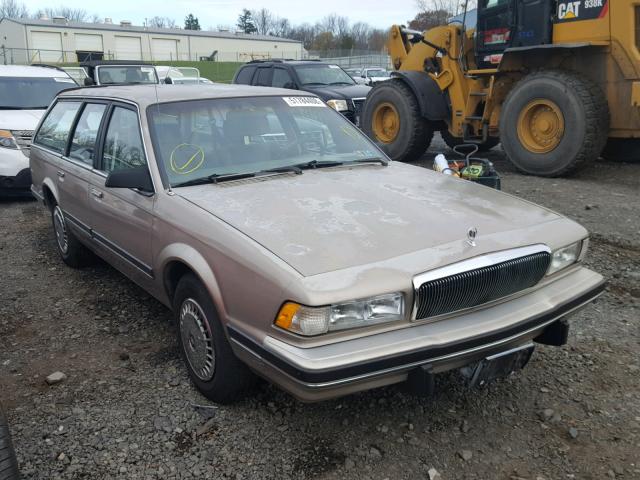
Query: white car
{"points": [[371, 76], [181, 75], [25, 94]]}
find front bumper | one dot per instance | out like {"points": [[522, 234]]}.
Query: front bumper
{"points": [[328, 371], [19, 184]]}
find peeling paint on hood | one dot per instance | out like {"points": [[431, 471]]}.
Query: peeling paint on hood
{"points": [[335, 218]]}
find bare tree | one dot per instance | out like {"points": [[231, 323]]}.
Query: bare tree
{"points": [[161, 22], [360, 32], [263, 20], [281, 27], [13, 9], [71, 14], [453, 7]]}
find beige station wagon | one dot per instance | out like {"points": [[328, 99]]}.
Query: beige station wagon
{"points": [[289, 246]]}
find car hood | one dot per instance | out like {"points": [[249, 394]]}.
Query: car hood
{"points": [[334, 218], [20, 119], [339, 91]]}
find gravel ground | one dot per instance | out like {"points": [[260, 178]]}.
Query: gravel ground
{"points": [[127, 410]]}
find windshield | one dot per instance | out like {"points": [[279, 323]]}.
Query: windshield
{"points": [[197, 139], [25, 93], [323, 75], [126, 74], [377, 73]]}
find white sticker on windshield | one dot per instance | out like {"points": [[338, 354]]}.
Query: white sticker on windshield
{"points": [[334, 66], [304, 102], [64, 80]]}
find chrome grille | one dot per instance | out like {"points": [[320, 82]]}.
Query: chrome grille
{"points": [[23, 139], [479, 286], [357, 105]]}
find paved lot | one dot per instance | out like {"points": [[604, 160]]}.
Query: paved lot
{"points": [[127, 409]]}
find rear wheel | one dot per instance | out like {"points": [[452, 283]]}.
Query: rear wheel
{"points": [[73, 253], [452, 141], [391, 118], [212, 365], [553, 123], [8, 462], [622, 150]]}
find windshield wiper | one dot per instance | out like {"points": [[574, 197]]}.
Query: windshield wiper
{"points": [[315, 83], [340, 83], [320, 164], [227, 177], [7, 107], [379, 160], [215, 178]]}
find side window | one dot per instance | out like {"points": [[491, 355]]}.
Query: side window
{"points": [[83, 142], [281, 78], [54, 132], [123, 143], [264, 77], [245, 74]]}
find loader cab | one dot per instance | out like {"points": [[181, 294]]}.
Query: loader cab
{"points": [[504, 24]]}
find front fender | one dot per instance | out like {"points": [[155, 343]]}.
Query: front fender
{"points": [[432, 101]]}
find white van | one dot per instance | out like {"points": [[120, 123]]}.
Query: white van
{"points": [[25, 94]]}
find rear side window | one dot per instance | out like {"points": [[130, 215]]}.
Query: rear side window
{"points": [[54, 132], [83, 142], [123, 143], [245, 74], [264, 77]]}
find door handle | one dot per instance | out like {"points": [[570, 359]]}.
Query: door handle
{"points": [[97, 193], [60, 173]]}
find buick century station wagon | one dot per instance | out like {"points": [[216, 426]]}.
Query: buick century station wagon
{"points": [[289, 246]]}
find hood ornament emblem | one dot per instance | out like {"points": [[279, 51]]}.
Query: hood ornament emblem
{"points": [[472, 233]]}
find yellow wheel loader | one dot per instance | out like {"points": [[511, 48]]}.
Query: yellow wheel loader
{"points": [[554, 81]]}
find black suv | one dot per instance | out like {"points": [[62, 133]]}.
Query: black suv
{"points": [[329, 82]]}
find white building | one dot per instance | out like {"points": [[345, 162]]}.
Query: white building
{"points": [[59, 40]]}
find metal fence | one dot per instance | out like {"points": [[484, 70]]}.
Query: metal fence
{"points": [[26, 56], [371, 60]]}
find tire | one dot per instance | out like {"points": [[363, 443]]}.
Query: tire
{"points": [[452, 141], [414, 132], [222, 377], [8, 462], [583, 109], [72, 252], [622, 150]]}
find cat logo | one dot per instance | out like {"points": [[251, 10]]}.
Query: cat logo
{"points": [[568, 10]]}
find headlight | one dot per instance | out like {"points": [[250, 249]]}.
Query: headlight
{"points": [[339, 105], [7, 140], [566, 256], [360, 313]]}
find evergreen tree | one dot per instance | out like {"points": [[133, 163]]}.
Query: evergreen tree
{"points": [[191, 23], [245, 22]]}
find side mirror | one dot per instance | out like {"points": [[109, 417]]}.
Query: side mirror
{"points": [[168, 81], [88, 81], [137, 177]]}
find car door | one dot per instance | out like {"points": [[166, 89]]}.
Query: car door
{"points": [[70, 174], [122, 218]]}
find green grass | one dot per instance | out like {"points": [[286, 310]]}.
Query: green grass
{"points": [[214, 71]]}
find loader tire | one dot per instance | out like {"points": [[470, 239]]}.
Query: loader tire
{"points": [[8, 462], [452, 141], [391, 118], [554, 122], [625, 150]]}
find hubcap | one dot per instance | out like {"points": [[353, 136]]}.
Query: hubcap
{"points": [[541, 126], [60, 229], [386, 122], [197, 341]]}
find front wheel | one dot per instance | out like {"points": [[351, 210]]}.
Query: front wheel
{"points": [[212, 365], [391, 117], [554, 122]]}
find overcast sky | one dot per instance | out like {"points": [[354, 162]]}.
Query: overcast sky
{"points": [[212, 13]]}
